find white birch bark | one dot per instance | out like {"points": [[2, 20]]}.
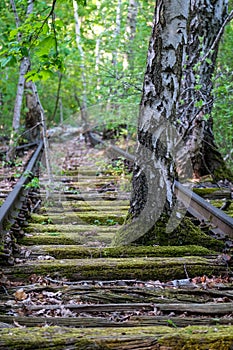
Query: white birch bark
{"points": [[116, 32], [131, 31], [24, 67], [82, 65], [97, 61], [153, 196], [207, 21]]}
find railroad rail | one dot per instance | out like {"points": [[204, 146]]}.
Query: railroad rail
{"points": [[219, 222], [16, 206]]}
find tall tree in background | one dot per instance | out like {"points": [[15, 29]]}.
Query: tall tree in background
{"points": [[131, 31], [23, 69], [35, 115], [207, 21], [154, 174], [83, 103]]}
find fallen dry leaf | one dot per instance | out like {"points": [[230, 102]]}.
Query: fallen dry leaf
{"points": [[20, 295]]}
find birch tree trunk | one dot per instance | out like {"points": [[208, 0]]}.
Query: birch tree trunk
{"points": [[24, 67], [116, 33], [36, 114], [153, 197], [207, 20], [131, 31], [82, 65]]}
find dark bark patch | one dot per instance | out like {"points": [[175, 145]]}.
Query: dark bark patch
{"points": [[140, 193]]}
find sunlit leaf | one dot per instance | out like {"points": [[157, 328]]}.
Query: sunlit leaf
{"points": [[45, 46], [6, 61]]}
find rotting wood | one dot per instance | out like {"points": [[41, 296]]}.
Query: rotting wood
{"points": [[143, 338], [75, 251], [180, 308], [130, 321], [101, 292], [124, 268]]}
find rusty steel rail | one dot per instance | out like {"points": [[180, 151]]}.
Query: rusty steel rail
{"points": [[14, 198], [219, 222]]}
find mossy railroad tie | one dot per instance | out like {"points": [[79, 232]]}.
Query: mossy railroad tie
{"points": [[72, 265]]}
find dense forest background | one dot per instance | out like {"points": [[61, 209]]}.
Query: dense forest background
{"points": [[92, 55]]}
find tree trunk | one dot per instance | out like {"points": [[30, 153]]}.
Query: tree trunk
{"points": [[131, 31], [32, 121], [153, 197], [24, 67], [82, 65], [57, 101], [116, 34], [196, 101]]}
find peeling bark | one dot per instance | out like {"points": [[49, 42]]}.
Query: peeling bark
{"points": [[194, 108], [154, 170]]}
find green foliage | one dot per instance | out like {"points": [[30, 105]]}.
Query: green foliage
{"points": [[33, 184], [51, 43], [223, 96], [113, 90]]}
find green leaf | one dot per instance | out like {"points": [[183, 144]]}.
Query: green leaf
{"points": [[45, 46], [24, 51], [13, 33], [45, 74], [6, 61], [198, 87], [199, 104]]}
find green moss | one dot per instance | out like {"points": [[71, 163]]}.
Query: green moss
{"points": [[185, 234], [204, 191], [79, 171], [71, 252], [199, 338], [78, 206], [94, 217], [89, 238], [223, 173], [155, 337], [161, 268], [219, 203], [68, 228], [50, 238]]}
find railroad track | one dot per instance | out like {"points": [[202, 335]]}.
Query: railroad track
{"points": [[17, 207], [68, 275], [219, 223]]}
